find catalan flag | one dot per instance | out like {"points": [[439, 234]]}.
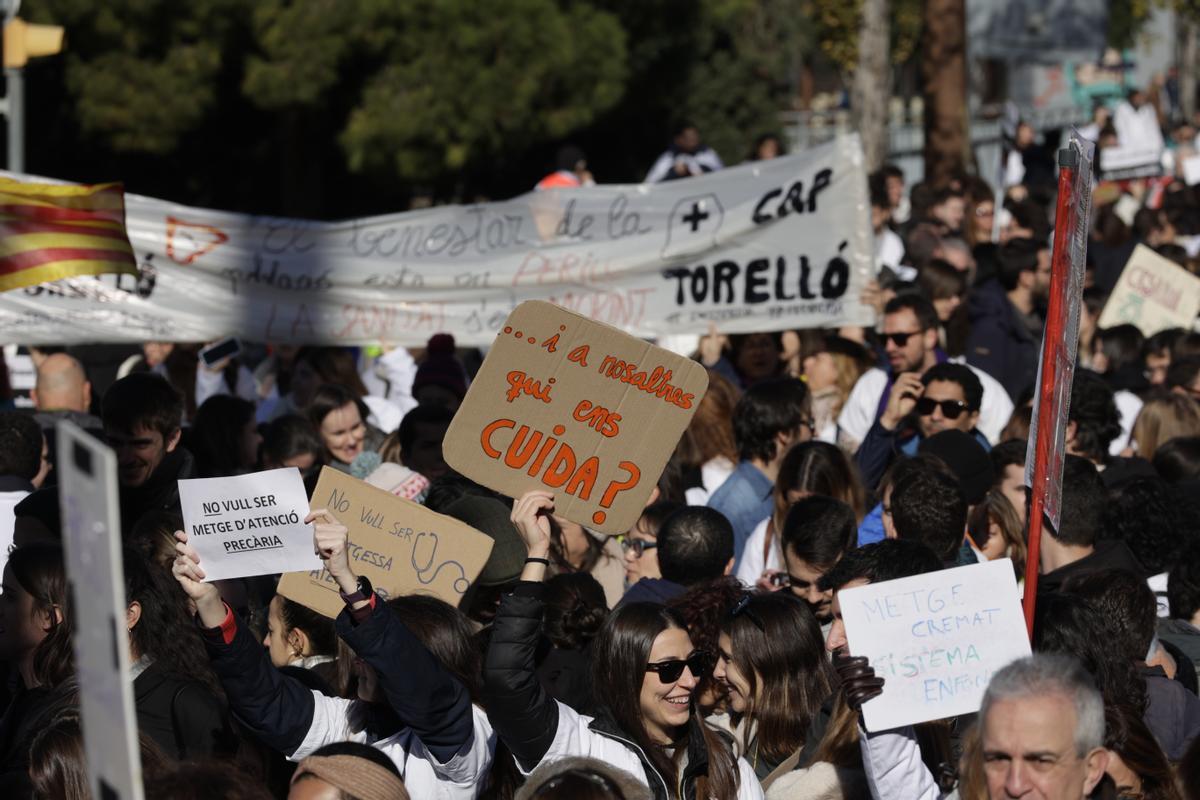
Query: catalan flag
{"points": [[53, 231]]}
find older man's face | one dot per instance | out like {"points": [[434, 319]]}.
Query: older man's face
{"points": [[1029, 751]]}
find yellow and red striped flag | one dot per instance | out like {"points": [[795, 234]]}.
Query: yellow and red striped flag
{"points": [[54, 231]]}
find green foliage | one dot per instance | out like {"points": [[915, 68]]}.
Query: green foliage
{"points": [[837, 30], [492, 83], [234, 101], [752, 51]]}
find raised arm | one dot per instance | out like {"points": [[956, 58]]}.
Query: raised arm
{"points": [[522, 713], [277, 709], [424, 694]]}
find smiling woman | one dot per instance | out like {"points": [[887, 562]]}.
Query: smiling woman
{"points": [[645, 673], [340, 420]]}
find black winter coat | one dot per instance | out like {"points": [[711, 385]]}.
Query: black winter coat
{"points": [[183, 717]]}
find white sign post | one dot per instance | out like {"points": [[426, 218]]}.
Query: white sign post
{"points": [[96, 577], [936, 639], [249, 524]]}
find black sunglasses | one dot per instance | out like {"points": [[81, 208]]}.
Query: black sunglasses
{"points": [[900, 339], [638, 546], [951, 409], [699, 662]]}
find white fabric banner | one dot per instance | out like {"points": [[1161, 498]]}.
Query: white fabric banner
{"points": [[764, 246]]}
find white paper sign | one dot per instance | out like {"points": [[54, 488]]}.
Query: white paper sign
{"points": [[249, 524], [92, 548], [936, 639]]}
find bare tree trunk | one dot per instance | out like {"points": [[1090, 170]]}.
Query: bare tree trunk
{"points": [[944, 86], [872, 88], [1189, 63]]}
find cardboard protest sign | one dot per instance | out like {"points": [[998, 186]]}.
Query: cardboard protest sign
{"points": [[87, 471], [249, 524], [570, 405], [936, 639], [401, 547], [1152, 293]]}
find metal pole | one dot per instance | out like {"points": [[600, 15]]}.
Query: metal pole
{"points": [[16, 119]]}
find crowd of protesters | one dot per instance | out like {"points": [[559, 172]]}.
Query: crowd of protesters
{"points": [[701, 654]]}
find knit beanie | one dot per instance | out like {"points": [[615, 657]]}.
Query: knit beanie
{"points": [[441, 367], [491, 517], [966, 458]]}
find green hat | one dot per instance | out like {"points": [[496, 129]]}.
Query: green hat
{"points": [[492, 517]]}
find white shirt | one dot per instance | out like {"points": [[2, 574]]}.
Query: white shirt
{"points": [[8, 501], [752, 565], [713, 473], [574, 739], [889, 250], [1129, 405], [859, 413]]}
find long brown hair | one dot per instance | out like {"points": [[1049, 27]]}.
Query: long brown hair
{"points": [[39, 570], [623, 648], [710, 433], [1126, 735], [998, 509], [777, 647], [818, 468]]}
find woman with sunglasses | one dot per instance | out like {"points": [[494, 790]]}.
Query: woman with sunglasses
{"points": [[645, 673], [772, 661]]}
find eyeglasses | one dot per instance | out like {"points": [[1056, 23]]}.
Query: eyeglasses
{"points": [[699, 663], [951, 409], [638, 546], [900, 339]]}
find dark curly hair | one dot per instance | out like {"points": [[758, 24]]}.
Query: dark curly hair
{"points": [[575, 610], [1067, 624], [1094, 412], [704, 609], [1144, 515], [165, 631]]}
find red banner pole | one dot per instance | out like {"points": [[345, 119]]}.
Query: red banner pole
{"points": [[1056, 321]]}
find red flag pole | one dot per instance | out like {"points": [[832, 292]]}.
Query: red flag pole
{"points": [[1056, 321]]}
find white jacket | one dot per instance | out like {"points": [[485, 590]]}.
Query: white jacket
{"points": [[462, 778], [575, 739]]}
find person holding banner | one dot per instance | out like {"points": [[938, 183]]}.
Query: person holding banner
{"points": [[644, 683], [413, 705]]}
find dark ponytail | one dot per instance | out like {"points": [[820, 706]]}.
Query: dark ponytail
{"points": [[318, 627], [575, 610]]}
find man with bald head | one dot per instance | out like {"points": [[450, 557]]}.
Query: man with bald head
{"points": [[61, 385], [63, 392]]}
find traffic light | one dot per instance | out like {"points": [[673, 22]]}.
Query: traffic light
{"points": [[23, 41]]}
